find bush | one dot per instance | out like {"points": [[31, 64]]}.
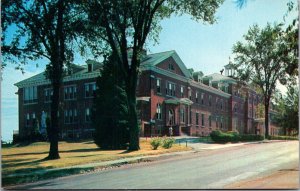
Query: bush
{"points": [[251, 137], [231, 136], [155, 142], [168, 142], [220, 137], [282, 138]]}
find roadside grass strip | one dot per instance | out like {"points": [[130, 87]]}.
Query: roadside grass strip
{"points": [[25, 163]]}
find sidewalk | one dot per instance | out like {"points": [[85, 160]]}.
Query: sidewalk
{"points": [[283, 179]]}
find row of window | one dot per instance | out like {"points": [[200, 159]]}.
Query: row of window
{"points": [[171, 89], [70, 116], [182, 117], [70, 93]]}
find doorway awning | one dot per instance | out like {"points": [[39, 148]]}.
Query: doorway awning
{"points": [[177, 101], [143, 99]]}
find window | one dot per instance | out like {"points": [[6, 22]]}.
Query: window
{"points": [[171, 117], [226, 89], [70, 116], [221, 123], [158, 111], [27, 119], [87, 115], [181, 91], [209, 83], [209, 100], [90, 89], [202, 98], [221, 104], [48, 94], [235, 108], [209, 121], [197, 118], [70, 92], [158, 82], [171, 67], [182, 115], [202, 119], [170, 89], [30, 94], [190, 94], [196, 97], [190, 116]]}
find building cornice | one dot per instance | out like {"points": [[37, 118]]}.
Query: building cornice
{"points": [[74, 77]]}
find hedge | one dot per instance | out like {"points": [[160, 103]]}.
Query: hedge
{"points": [[282, 138], [222, 137]]}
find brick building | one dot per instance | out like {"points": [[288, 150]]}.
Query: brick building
{"points": [[168, 95]]}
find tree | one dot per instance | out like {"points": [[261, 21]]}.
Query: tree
{"points": [[110, 110], [42, 29], [263, 60], [288, 107], [124, 24]]}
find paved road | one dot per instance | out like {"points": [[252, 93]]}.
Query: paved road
{"points": [[203, 169]]}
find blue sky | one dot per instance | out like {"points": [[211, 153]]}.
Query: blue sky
{"points": [[202, 47]]}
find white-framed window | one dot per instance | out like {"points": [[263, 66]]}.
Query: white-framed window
{"points": [[30, 94], [87, 115], [202, 98], [190, 94], [170, 89], [196, 96], [182, 115], [90, 89], [48, 93], [181, 91], [209, 83], [27, 119], [158, 111], [70, 92], [158, 85], [70, 116], [171, 117]]}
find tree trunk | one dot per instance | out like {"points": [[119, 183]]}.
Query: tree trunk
{"points": [[133, 123], [267, 102], [54, 129]]}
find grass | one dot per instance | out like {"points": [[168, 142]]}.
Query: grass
{"points": [[29, 158]]}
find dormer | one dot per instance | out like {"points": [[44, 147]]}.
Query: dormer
{"points": [[198, 76], [90, 65], [207, 81]]}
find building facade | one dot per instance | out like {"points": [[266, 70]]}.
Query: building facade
{"points": [[168, 95]]}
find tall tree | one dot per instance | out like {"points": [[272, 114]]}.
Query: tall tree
{"points": [[263, 60], [288, 108], [124, 24], [41, 29], [110, 110]]}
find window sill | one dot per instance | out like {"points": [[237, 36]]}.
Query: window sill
{"points": [[30, 103]]}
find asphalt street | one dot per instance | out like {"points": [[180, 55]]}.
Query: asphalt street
{"points": [[200, 170]]}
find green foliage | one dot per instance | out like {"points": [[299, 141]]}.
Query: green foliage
{"points": [[251, 137], [263, 59], [155, 142], [222, 137], [110, 110], [168, 142], [283, 138], [121, 24], [287, 110]]}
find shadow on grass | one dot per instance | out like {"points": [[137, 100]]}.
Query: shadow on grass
{"points": [[6, 181], [126, 151], [11, 164]]}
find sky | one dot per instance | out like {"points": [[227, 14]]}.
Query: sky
{"points": [[203, 47]]}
